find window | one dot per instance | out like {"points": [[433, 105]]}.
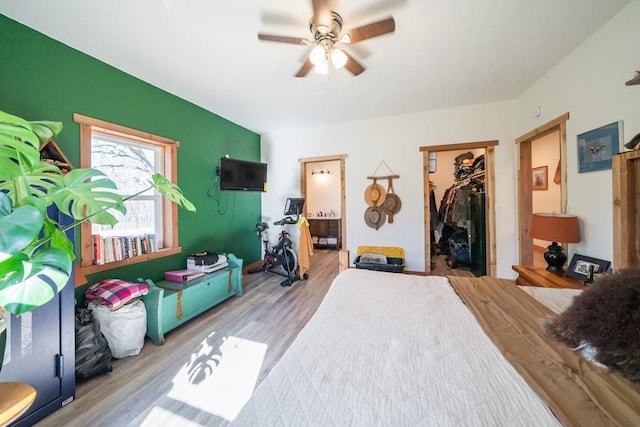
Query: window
{"points": [[128, 157]]}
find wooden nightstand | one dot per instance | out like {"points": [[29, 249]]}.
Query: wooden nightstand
{"points": [[530, 276]]}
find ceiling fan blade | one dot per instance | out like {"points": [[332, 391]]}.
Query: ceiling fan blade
{"points": [[304, 70], [352, 65], [282, 39], [321, 13], [370, 30]]}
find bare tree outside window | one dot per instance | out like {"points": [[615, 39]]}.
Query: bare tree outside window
{"points": [[130, 165]]}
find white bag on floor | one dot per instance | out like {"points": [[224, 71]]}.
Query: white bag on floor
{"points": [[124, 328]]}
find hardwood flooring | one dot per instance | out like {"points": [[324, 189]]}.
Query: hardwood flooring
{"points": [[439, 267], [141, 390], [181, 383]]}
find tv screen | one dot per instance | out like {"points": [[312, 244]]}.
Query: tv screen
{"points": [[242, 175]]}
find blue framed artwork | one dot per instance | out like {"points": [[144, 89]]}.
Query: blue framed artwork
{"points": [[597, 147]]}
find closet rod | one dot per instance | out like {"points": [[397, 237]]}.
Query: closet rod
{"points": [[467, 180]]}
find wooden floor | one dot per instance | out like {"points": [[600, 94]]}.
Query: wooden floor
{"points": [[141, 389], [439, 267], [145, 390]]}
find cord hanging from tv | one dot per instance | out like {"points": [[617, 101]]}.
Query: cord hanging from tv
{"points": [[242, 175]]}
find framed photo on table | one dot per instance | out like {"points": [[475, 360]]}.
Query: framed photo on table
{"points": [[597, 147], [540, 178], [579, 266]]}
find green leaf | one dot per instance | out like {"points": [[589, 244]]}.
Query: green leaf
{"points": [[15, 149], [37, 203], [46, 129], [10, 119], [171, 192], [82, 197], [36, 281], [59, 239], [14, 270], [5, 205], [43, 179], [20, 134], [18, 229], [22, 183]]}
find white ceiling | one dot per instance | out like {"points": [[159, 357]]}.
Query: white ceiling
{"points": [[444, 53]]}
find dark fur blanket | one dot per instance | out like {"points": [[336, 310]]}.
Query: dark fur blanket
{"points": [[606, 317]]}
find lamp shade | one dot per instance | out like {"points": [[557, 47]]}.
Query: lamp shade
{"points": [[338, 58], [318, 55], [554, 227]]}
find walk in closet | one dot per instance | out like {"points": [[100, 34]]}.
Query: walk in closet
{"points": [[458, 205]]}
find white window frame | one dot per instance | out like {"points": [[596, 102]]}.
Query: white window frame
{"points": [[169, 246]]}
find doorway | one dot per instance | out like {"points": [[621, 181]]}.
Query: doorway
{"points": [[326, 209], [531, 160], [484, 234]]}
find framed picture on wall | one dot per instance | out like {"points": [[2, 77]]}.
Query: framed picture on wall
{"points": [[597, 147], [540, 178]]}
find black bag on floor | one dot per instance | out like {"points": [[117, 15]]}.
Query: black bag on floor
{"points": [[93, 356], [459, 252]]}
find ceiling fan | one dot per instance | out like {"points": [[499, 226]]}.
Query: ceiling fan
{"points": [[326, 30]]}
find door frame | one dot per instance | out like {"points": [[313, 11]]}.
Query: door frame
{"points": [[306, 162], [489, 174], [524, 189]]}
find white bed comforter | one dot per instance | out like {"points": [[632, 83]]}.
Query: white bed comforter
{"points": [[390, 349]]}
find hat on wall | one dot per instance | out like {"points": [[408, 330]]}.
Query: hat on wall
{"points": [[392, 205], [375, 217], [374, 195]]}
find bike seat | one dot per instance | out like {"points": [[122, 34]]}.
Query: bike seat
{"points": [[285, 220]]}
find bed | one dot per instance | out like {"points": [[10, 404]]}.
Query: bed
{"points": [[389, 349]]}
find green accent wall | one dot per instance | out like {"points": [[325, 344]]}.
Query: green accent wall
{"points": [[43, 79]]}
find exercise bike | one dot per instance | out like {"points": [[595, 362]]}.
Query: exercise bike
{"points": [[281, 259]]}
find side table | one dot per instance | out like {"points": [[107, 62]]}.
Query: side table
{"points": [[530, 276]]}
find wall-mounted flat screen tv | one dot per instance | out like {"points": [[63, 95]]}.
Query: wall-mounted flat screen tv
{"points": [[242, 175]]}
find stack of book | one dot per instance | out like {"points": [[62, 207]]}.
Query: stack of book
{"points": [[117, 248], [221, 263]]}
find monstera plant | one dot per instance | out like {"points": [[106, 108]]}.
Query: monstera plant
{"points": [[36, 257]]}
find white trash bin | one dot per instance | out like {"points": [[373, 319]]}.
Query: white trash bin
{"points": [[124, 328]]}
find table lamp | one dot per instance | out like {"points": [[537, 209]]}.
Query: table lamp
{"points": [[554, 227]]}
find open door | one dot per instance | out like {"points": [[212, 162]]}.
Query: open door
{"points": [[311, 167], [525, 181], [488, 203]]}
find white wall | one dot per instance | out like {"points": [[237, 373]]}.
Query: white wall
{"points": [[589, 84], [396, 141]]}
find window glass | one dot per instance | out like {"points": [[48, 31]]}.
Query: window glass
{"points": [[130, 165], [128, 157]]}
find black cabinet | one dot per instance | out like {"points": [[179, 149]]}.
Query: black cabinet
{"points": [[41, 353], [326, 233], [477, 234]]}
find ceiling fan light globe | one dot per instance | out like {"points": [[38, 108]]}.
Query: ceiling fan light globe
{"points": [[338, 58], [322, 68], [317, 55]]}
